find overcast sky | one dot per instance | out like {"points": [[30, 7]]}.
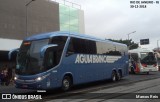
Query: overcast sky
{"points": [[115, 19]]}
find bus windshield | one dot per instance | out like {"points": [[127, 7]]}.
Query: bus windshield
{"points": [[29, 60], [148, 58]]}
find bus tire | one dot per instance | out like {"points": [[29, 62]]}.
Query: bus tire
{"points": [[147, 73], [113, 77], [66, 83], [118, 76]]}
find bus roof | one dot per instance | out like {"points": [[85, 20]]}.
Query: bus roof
{"points": [[71, 34], [138, 50]]}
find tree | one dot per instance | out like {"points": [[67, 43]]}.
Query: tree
{"points": [[130, 43]]}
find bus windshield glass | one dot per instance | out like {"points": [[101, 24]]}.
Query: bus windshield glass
{"points": [[29, 60], [148, 58]]}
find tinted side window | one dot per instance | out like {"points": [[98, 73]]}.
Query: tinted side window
{"points": [[60, 41], [91, 47], [53, 55], [79, 45], [83, 46], [107, 49], [120, 50], [134, 57]]}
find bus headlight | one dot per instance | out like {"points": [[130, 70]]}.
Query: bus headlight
{"points": [[15, 78], [39, 79]]}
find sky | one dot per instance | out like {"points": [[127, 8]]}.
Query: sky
{"points": [[115, 19]]}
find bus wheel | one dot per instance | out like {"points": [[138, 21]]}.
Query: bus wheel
{"points": [[113, 78], [147, 73], [118, 77], [66, 83]]}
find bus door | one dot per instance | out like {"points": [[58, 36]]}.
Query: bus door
{"points": [[51, 58], [134, 60], [54, 54]]}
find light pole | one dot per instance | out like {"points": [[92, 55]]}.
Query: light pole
{"points": [[158, 45], [27, 4], [128, 37]]}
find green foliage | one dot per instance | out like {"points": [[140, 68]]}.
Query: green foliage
{"points": [[130, 43]]}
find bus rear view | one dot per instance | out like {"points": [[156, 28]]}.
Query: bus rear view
{"points": [[142, 60]]}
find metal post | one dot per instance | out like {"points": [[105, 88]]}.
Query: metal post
{"points": [[27, 16], [157, 45], [128, 38], [26, 22]]}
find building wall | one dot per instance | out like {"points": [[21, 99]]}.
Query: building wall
{"points": [[71, 19], [43, 16], [68, 18]]}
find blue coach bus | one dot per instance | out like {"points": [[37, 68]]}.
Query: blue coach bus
{"points": [[63, 59]]}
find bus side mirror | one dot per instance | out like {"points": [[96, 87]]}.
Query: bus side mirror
{"points": [[44, 48], [11, 52]]}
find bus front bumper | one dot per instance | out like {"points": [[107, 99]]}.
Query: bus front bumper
{"points": [[148, 69], [36, 85]]}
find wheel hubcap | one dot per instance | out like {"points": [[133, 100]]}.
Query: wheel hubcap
{"points": [[66, 84], [114, 77]]}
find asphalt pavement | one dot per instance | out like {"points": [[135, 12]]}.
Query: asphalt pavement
{"points": [[144, 91], [130, 78], [124, 83]]}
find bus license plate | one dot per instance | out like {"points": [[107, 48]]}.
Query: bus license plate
{"points": [[24, 86]]}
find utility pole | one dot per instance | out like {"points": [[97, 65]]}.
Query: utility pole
{"points": [[27, 16], [129, 38]]}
